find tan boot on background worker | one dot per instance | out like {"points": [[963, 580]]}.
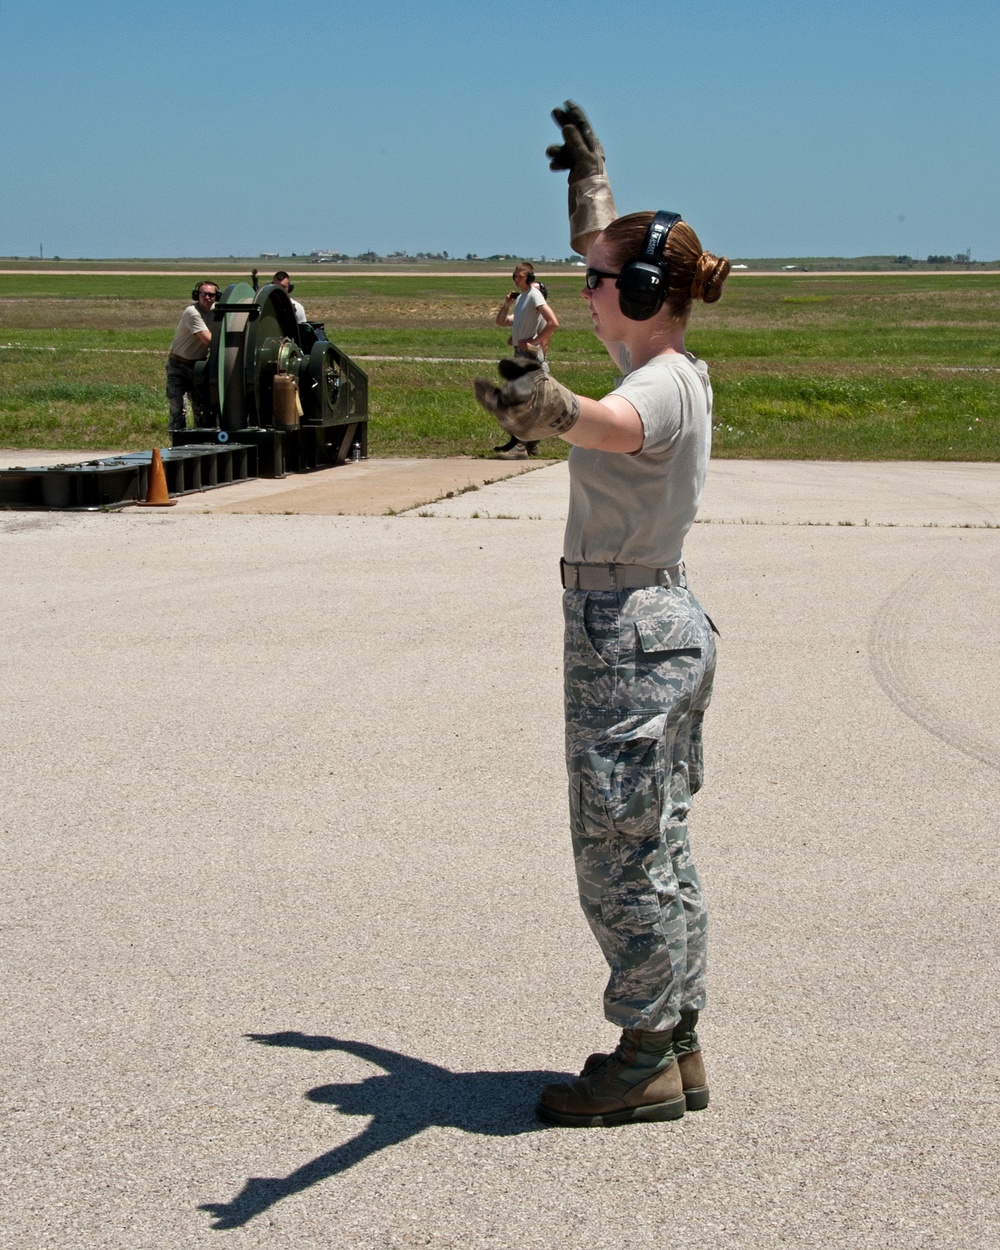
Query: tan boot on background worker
{"points": [[532, 324]]}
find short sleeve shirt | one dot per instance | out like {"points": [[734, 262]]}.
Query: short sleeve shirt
{"points": [[636, 509], [528, 321], [186, 342]]}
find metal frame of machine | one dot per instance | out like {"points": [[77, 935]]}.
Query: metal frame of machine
{"points": [[116, 481]]}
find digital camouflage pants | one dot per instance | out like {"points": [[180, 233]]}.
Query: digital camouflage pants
{"points": [[638, 668]]}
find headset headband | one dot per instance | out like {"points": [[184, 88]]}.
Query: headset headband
{"points": [[656, 235]]}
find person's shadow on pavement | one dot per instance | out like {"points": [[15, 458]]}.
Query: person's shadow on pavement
{"points": [[411, 1095]]}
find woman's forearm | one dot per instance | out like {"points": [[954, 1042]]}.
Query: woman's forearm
{"points": [[609, 424]]}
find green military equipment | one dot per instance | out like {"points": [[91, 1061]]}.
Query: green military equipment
{"points": [[256, 341]]}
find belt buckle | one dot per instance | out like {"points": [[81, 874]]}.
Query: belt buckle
{"points": [[612, 577]]}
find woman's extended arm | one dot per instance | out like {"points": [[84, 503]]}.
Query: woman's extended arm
{"points": [[608, 424], [533, 405]]}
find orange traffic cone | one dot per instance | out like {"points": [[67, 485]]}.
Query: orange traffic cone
{"points": [[156, 494]]}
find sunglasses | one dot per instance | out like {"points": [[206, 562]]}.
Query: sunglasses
{"points": [[210, 294], [596, 276]]}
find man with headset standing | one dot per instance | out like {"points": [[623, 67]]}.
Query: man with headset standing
{"points": [[532, 324], [191, 342]]}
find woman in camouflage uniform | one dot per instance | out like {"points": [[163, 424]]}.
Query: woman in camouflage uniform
{"points": [[639, 650]]}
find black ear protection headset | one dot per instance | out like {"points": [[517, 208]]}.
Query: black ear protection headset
{"points": [[643, 282], [197, 290]]}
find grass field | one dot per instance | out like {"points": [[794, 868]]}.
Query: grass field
{"points": [[839, 367]]}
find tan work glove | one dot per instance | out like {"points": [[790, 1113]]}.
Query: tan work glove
{"points": [[591, 204], [532, 404]]}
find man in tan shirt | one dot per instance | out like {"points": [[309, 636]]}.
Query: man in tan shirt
{"points": [[190, 344]]}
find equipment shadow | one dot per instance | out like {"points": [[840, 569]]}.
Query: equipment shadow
{"points": [[408, 1097]]}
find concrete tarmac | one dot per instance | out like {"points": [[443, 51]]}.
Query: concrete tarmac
{"points": [[290, 930]]}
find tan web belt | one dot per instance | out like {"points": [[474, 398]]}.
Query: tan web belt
{"points": [[618, 576]]}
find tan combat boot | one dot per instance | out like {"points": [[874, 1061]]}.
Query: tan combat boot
{"points": [[639, 1081], [687, 1048], [692, 1066]]}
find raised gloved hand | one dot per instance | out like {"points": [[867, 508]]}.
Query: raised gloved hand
{"points": [[591, 204], [532, 404]]}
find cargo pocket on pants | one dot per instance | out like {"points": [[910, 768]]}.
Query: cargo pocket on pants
{"points": [[635, 788], [632, 906]]}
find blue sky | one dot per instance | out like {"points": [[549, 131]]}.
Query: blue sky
{"points": [[219, 128]]}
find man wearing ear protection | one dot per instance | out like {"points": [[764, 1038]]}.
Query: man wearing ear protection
{"points": [[282, 279], [190, 344]]}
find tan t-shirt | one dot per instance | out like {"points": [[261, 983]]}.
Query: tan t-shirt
{"points": [[636, 509], [528, 321], [186, 342]]}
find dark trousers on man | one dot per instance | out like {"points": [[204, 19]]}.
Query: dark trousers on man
{"points": [[180, 386]]}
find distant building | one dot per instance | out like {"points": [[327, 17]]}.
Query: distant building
{"points": [[269, 255]]}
